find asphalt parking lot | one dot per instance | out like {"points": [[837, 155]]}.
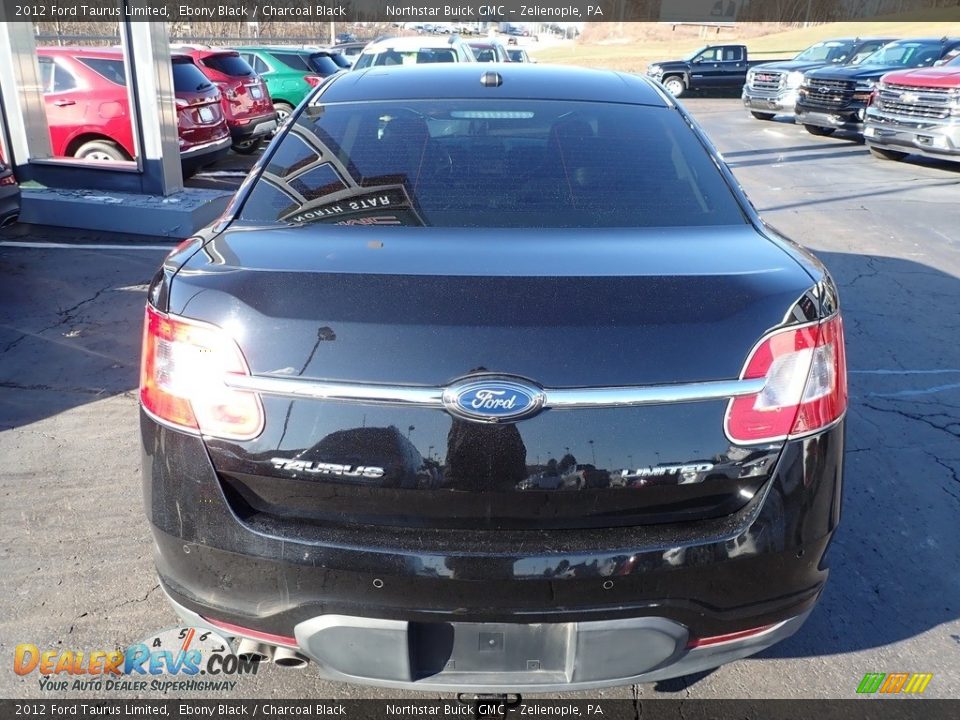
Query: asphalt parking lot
{"points": [[75, 547]]}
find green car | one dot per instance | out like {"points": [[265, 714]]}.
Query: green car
{"points": [[290, 73]]}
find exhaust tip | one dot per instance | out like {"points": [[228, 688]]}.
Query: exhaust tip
{"points": [[252, 650], [285, 657]]}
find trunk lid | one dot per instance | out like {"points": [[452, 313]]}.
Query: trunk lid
{"points": [[423, 307]]}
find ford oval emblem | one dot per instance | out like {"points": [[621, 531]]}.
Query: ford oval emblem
{"points": [[493, 399]]}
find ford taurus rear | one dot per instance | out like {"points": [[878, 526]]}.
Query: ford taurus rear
{"points": [[493, 381]]}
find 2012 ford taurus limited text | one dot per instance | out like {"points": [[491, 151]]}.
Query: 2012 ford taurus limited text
{"points": [[493, 381]]}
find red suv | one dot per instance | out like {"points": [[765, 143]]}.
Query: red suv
{"points": [[88, 109], [9, 194], [246, 102]]}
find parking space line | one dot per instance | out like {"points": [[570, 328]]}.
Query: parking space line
{"points": [[222, 174], [912, 393], [79, 246], [57, 341], [904, 372]]}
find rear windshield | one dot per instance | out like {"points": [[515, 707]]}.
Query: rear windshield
{"points": [[906, 54], [832, 51], [341, 60], [324, 64], [294, 61], [407, 57], [187, 77], [479, 163], [111, 70], [484, 53], [229, 64]]}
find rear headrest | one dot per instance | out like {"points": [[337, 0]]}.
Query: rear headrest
{"points": [[390, 57], [434, 56], [411, 130]]}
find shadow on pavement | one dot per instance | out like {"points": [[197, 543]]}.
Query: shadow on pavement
{"points": [[895, 561], [70, 320]]}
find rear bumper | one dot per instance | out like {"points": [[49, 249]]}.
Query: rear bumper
{"points": [[570, 656], [258, 127], [931, 138], [662, 585], [205, 153], [849, 119], [782, 102]]}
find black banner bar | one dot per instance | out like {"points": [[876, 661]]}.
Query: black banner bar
{"points": [[874, 708], [496, 11]]}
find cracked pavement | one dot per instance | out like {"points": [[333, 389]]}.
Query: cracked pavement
{"points": [[76, 551]]}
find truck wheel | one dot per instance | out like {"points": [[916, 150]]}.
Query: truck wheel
{"points": [[817, 130], [675, 86], [100, 151], [884, 154], [762, 115]]}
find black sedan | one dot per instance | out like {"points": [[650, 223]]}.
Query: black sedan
{"points": [[493, 380], [9, 195]]}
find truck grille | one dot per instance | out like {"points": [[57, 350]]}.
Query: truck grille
{"points": [[827, 93], [914, 101], [766, 81]]}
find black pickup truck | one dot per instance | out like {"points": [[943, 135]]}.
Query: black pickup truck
{"points": [[712, 66], [836, 98], [772, 88]]}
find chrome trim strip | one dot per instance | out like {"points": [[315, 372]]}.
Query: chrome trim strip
{"points": [[610, 397], [558, 399], [341, 392]]}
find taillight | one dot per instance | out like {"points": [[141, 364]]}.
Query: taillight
{"points": [[805, 387], [313, 80], [228, 91], [182, 374]]}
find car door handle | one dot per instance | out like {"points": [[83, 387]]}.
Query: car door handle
{"points": [[64, 103]]}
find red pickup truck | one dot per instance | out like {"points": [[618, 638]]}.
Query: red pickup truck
{"points": [[916, 111], [88, 109]]}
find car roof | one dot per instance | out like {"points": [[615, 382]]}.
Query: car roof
{"points": [[520, 81], [942, 40], [410, 43], [202, 52], [277, 48], [105, 53], [861, 38], [91, 52]]}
